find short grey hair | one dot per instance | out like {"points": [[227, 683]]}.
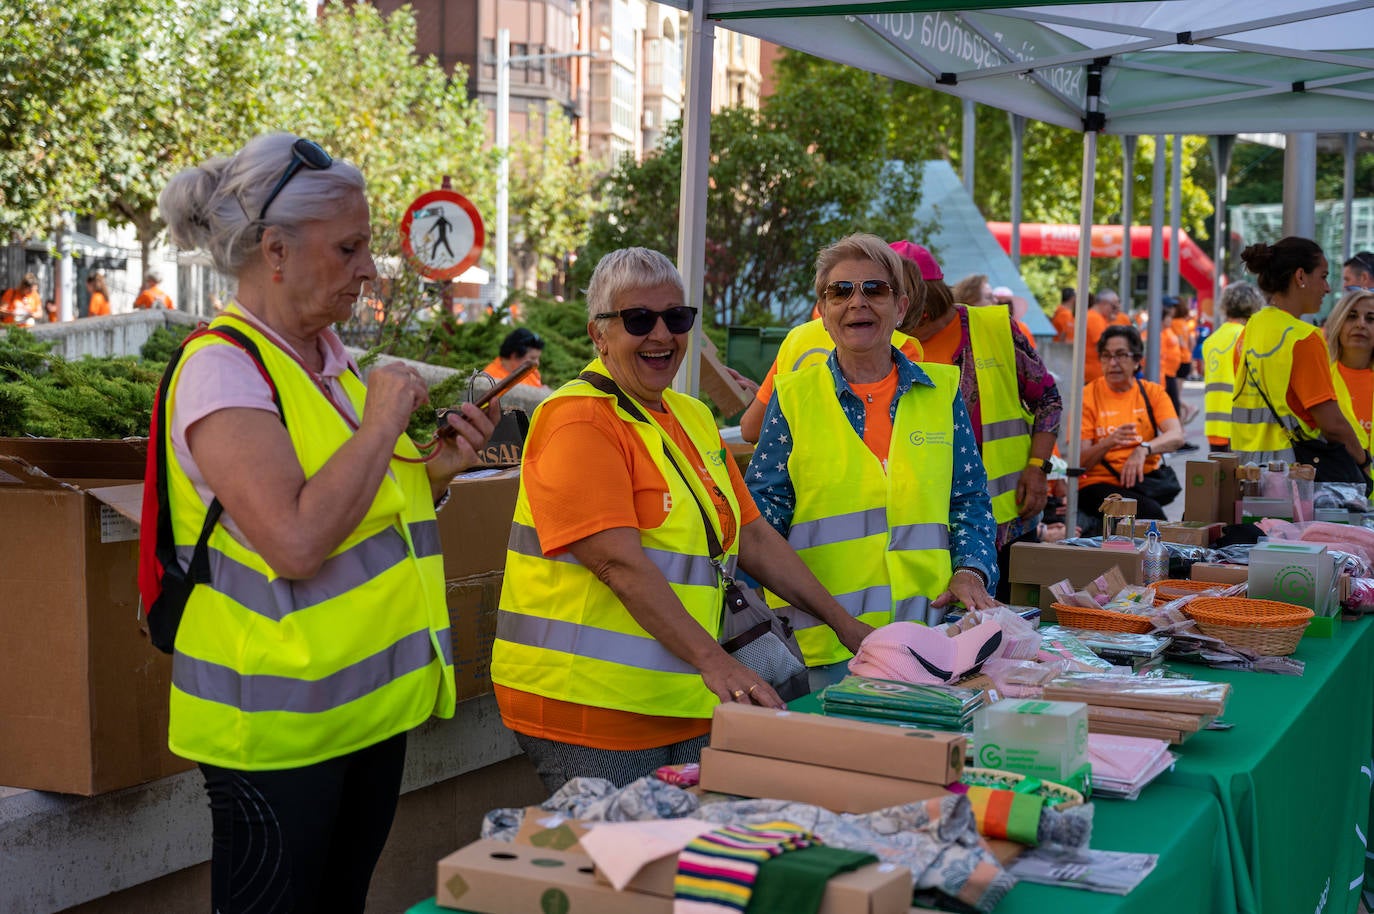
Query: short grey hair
{"points": [[859, 246], [1240, 300], [214, 206], [627, 270]]}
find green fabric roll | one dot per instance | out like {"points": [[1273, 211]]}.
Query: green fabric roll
{"points": [[793, 883]]}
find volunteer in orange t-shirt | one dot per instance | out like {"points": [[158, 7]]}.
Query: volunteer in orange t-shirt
{"points": [[21, 304], [151, 295], [1350, 342], [1063, 316], [521, 345], [1127, 425], [100, 295], [1102, 311], [600, 614]]}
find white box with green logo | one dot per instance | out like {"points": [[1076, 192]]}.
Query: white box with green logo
{"points": [[1043, 739]]}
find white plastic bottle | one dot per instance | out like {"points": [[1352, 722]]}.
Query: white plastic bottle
{"points": [[1155, 566]]}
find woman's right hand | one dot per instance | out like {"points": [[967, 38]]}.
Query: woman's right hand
{"points": [[732, 681], [394, 392], [1123, 436]]}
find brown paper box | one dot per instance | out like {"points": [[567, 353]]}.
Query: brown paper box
{"points": [[1035, 566], [1228, 490], [1202, 491], [499, 878], [475, 524], [83, 694], [1222, 574], [472, 605], [717, 383], [1187, 533], [831, 788], [879, 888], [833, 742]]}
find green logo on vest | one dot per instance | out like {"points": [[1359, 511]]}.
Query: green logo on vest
{"points": [[920, 438]]}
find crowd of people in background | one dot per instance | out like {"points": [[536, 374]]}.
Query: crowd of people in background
{"points": [[23, 305]]}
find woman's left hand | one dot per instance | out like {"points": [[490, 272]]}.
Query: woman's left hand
{"points": [[1032, 490], [469, 430], [1133, 470], [966, 587]]}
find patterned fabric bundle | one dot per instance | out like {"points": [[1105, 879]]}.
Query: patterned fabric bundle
{"points": [[1006, 814], [716, 872]]}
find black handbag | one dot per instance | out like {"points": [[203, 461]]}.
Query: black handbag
{"points": [[1161, 484], [1331, 461], [750, 631]]}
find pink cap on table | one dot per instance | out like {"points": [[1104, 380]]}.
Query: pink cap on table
{"points": [[930, 270]]}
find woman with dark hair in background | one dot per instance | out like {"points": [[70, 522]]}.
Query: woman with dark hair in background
{"points": [[100, 295], [521, 345]]}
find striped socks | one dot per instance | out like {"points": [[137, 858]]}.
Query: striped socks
{"points": [[716, 872]]}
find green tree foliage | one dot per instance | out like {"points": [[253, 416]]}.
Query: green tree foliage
{"points": [[550, 206]]}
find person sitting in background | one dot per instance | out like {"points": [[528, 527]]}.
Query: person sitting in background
{"points": [[1127, 424], [151, 295], [1013, 404], [1063, 316], [974, 290], [100, 295], [22, 304], [521, 345], [866, 465], [1357, 273], [1350, 340], [1239, 300], [1102, 311]]}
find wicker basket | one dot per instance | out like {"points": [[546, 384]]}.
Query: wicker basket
{"points": [[1263, 626], [1170, 590], [1102, 620]]}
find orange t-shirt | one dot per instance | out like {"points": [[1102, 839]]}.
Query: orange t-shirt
{"points": [[1063, 324], [154, 297], [1309, 384], [99, 305], [1105, 410], [940, 348], [1170, 353], [1360, 383], [1092, 365], [877, 400], [569, 504], [1025, 331], [1182, 328], [1122, 318], [12, 302], [498, 371], [911, 349]]}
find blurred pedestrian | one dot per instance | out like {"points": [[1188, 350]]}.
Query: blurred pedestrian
{"points": [[521, 345], [100, 295], [151, 295], [21, 304]]}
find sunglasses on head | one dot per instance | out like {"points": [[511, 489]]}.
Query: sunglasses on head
{"points": [[304, 154], [641, 321], [843, 289]]}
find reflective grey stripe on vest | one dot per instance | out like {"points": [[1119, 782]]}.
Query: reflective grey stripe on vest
{"points": [[278, 598], [425, 535], [446, 645], [1219, 387], [261, 692], [1007, 428], [841, 528], [870, 600], [588, 641], [909, 537], [1003, 484], [1262, 416], [690, 570], [1217, 417]]}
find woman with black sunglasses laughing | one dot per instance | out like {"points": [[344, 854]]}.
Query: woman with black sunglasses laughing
{"points": [[321, 635], [868, 465], [607, 661]]}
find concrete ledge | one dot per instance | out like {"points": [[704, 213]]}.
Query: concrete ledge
{"points": [[59, 851]]}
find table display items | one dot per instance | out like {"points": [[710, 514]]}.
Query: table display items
{"points": [[912, 704], [1156, 564], [1118, 523], [1168, 709], [1123, 765], [1266, 627], [1044, 739], [1128, 649]]}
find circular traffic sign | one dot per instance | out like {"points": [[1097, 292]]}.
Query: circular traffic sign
{"points": [[442, 234]]}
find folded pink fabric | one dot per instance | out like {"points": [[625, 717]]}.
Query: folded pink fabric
{"points": [[911, 652]]}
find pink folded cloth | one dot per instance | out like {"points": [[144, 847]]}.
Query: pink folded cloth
{"points": [[911, 652]]}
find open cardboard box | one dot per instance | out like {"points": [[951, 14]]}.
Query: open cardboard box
{"points": [[499, 878], [1035, 566]]}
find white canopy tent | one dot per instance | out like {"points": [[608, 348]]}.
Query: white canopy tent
{"points": [[1210, 67]]}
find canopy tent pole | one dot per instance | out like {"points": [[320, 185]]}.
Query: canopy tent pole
{"points": [[1300, 185], [966, 145], [1175, 211], [1127, 217], [696, 161], [1018, 137], [1222, 147], [1154, 306], [1348, 200], [1092, 123]]}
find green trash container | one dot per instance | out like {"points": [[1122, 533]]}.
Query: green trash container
{"points": [[751, 350]]}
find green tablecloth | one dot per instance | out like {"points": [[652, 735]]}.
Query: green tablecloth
{"points": [[1183, 826], [1293, 776]]}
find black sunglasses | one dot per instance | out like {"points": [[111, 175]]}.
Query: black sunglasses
{"points": [[843, 289], [304, 153], [641, 321]]}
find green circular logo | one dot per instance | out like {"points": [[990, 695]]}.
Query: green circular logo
{"points": [[554, 901], [990, 756]]}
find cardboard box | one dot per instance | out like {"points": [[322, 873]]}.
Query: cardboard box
{"points": [[834, 742], [472, 605], [879, 888], [475, 524], [499, 878], [832, 788], [552, 830], [1202, 491], [1186, 533], [1222, 574], [1228, 487], [730, 398], [83, 695], [1035, 566]]}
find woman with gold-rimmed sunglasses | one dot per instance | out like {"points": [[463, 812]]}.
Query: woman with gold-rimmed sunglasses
{"points": [[322, 635], [607, 662], [868, 465]]}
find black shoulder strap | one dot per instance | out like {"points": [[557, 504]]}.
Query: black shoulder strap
{"points": [[608, 386]]}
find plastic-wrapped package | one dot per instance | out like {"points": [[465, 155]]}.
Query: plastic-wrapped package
{"points": [[1361, 599], [1022, 678], [1020, 640], [1073, 653]]}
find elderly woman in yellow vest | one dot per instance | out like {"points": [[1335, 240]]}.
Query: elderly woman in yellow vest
{"points": [[322, 634], [1238, 302], [868, 465], [1012, 401], [1350, 340], [606, 662], [1283, 387]]}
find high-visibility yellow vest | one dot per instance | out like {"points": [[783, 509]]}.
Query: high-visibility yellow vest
{"points": [[1348, 407], [878, 541], [272, 673], [1267, 348], [1219, 373], [563, 634], [810, 343], [1006, 422]]}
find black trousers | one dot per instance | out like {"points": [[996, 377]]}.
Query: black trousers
{"points": [[302, 840]]}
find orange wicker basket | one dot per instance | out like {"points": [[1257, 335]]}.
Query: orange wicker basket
{"points": [[1169, 590], [1101, 620], [1263, 626]]}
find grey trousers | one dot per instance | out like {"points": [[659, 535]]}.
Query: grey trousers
{"points": [[557, 763]]}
